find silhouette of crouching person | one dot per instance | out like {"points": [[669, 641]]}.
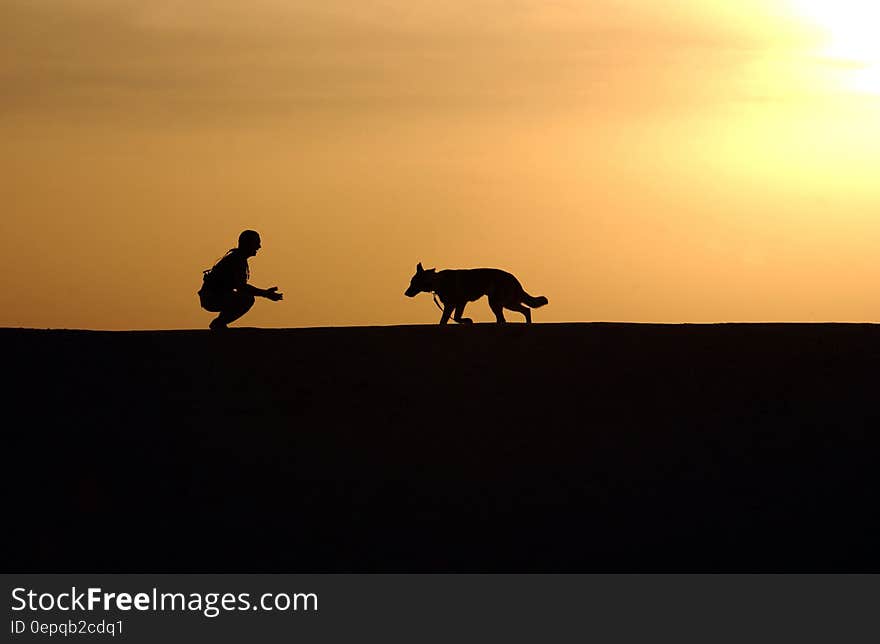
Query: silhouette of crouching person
{"points": [[225, 289]]}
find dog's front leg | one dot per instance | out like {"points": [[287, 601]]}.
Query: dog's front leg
{"points": [[459, 311], [447, 311]]}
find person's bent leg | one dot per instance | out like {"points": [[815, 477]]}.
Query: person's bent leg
{"points": [[236, 306]]}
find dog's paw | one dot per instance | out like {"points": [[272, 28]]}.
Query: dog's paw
{"points": [[466, 321]]}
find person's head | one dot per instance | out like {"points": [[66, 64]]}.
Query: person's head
{"points": [[249, 242]]}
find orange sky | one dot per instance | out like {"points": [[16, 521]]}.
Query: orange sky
{"points": [[709, 160]]}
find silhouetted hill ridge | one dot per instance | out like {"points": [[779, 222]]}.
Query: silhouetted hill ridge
{"points": [[550, 447]]}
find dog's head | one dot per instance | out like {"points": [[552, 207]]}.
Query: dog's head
{"points": [[422, 281]]}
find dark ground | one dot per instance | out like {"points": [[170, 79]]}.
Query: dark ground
{"points": [[555, 447]]}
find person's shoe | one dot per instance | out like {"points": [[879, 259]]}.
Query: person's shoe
{"points": [[217, 325]]}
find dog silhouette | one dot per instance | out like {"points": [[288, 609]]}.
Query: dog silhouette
{"points": [[457, 287]]}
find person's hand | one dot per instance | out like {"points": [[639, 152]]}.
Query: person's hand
{"points": [[273, 294]]}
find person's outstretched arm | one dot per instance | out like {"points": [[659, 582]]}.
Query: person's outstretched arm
{"points": [[269, 293], [242, 286]]}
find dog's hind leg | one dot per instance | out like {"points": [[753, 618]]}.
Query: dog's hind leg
{"points": [[498, 309], [519, 308]]}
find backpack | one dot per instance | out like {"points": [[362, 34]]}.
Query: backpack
{"points": [[212, 279]]}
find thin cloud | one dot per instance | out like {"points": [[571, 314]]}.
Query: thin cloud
{"points": [[284, 55]]}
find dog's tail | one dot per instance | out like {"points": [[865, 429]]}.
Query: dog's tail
{"points": [[534, 302]]}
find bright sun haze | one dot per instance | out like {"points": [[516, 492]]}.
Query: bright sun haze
{"points": [[696, 161], [850, 33]]}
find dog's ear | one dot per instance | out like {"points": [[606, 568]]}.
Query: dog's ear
{"points": [[419, 268]]}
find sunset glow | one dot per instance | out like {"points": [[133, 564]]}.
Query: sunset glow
{"points": [[704, 160], [850, 31]]}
